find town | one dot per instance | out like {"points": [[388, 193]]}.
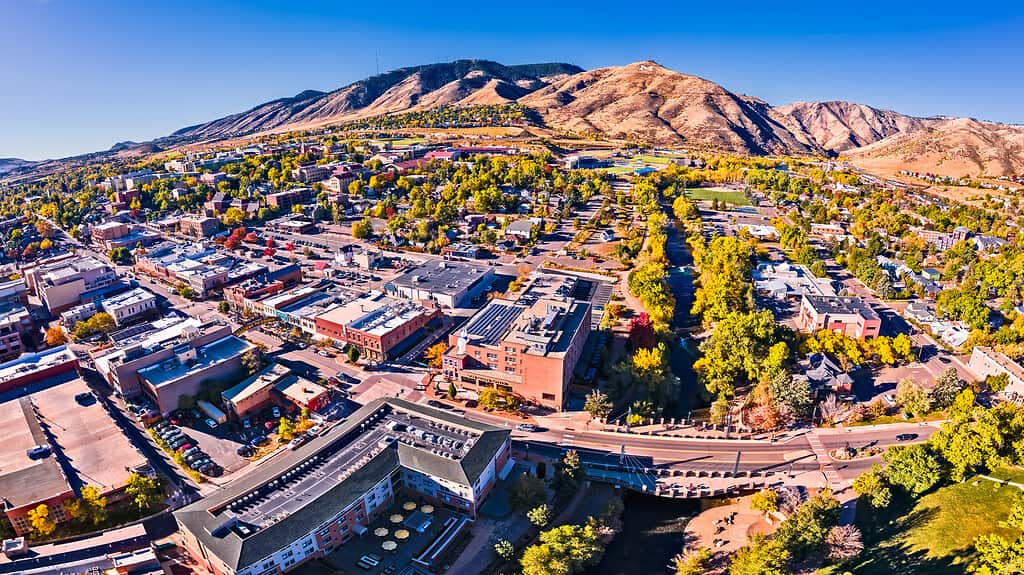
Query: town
{"points": [[323, 289]]}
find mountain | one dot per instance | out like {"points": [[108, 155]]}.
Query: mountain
{"points": [[462, 82], [949, 146], [648, 100], [841, 126], [8, 165]]}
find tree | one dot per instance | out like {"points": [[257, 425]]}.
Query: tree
{"points": [[568, 471], [719, 410], [120, 255], [527, 492], [724, 280], [873, 487], [598, 405], [805, 531], [912, 398], [641, 331], [766, 501], [55, 336], [763, 556], [435, 353], [540, 515], [285, 429], [693, 563], [504, 549], [947, 386], [233, 217], [362, 229], [39, 518], [562, 550], [743, 347], [844, 542], [452, 390], [791, 395], [223, 307], [913, 468], [143, 491], [94, 505], [997, 556], [903, 347], [353, 353], [251, 361], [98, 323]]}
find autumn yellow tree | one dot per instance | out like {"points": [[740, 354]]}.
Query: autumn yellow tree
{"points": [[434, 354], [40, 520], [55, 336]]}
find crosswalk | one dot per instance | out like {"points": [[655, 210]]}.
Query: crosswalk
{"points": [[824, 460]]}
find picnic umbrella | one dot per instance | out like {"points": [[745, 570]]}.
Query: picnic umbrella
{"points": [[401, 534], [427, 509], [389, 545], [380, 531], [396, 518], [409, 505]]}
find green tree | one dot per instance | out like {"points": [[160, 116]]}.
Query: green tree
{"points": [[766, 501], [568, 472], [452, 390], [947, 386], [805, 531], [362, 229], [353, 353], [540, 515], [791, 395], [763, 556], [997, 556], [873, 487], [598, 405], [725, 287], [101, 322], [742, 348], [143, 491], [562, 550], [223, 307], [912, 398], [693, 563], [527, 492], [913, 468]]}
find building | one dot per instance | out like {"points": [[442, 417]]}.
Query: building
{"points": [[292, 224], [213, 178], [850, 316], [375, 324], [522, 230], [198, 265], [130, 305], [83, 433], [15, 323], [311, 501], [987, 362], [283, 201], [312, 173], [528, 347], [273, 385], [452, 284], [69, 282], [941, 241], [784, 280], [199, 226], [107, 231], [171, 357]]}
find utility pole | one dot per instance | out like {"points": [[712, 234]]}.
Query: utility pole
{"points": [[736, 466]]}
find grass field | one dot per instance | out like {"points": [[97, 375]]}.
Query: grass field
{"points": [[936, 536], [729, 196]]}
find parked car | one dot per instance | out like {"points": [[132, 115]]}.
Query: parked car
{"points": [[906, 437], [210, 423], [527, 427], [184, 447], [84, 398], [275, 411], [246, 424]]}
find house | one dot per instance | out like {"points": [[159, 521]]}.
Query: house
{"points": [[987, 362], [522, 230]]}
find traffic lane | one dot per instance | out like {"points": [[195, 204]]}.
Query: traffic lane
{"points": [[877, 437]]}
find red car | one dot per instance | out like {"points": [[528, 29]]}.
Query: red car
{"points": [[175, 421], [184, 447]]}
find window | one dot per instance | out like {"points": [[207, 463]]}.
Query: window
{"points": [[548, 396]]}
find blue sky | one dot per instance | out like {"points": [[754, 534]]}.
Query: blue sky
{"points": [[78, 76]]}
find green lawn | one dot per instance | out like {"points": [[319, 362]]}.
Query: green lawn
{"points": [[936, 536], [728, 196]]}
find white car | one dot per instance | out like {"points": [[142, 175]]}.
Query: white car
{"points": [[527, 427], [211, 423]]}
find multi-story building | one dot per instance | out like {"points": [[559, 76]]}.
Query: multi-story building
{"points": [[529, 346], [375, 324], [284, 201], [197, 265], [942, 240], [312, 173], [316, 499], [213, 178], [271, 385], [68, 282], [107, 231], [987, 362], [850, 316], [15, 322], [130, 305], [199, 226], [451, 284], [170, 358]]}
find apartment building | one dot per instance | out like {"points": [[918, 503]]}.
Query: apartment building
{"points": [[528, 346], [130, 305], [850, 316], [312, 173], [199, 226], [284, 201], [314, 500], [987, 362]]}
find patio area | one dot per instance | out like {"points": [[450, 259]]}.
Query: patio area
{"points": [[405, 540]]}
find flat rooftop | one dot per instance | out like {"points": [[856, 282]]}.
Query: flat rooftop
{"points": [[841, 305], [30, 363], [443, 276], [128, 298], [24, 480], [266, 377], [207, 356], [87, 436]]}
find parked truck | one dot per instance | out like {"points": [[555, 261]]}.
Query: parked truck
{"points": [[211, 411]]}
